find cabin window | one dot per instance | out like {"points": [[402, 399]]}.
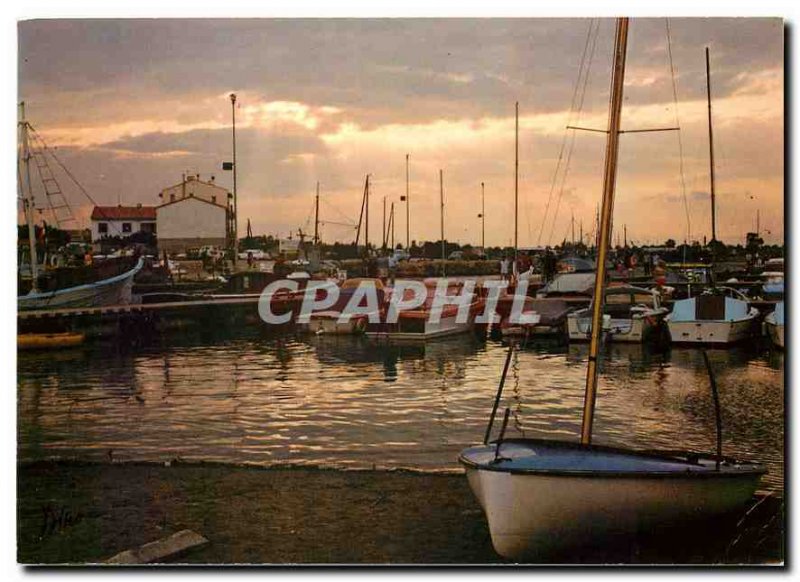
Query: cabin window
{"points": [[126, 227], [102, 227]]}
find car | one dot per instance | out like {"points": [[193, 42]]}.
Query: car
{"points": [[257, 254], [211, 251], [456, 256]]}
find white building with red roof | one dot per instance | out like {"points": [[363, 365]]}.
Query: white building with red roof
{"points": [[122, 221]]}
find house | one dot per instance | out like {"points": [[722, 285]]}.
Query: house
{"points": [[193, 222], [122, 221], [192, 186]]}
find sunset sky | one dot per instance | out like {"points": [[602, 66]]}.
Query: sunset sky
{"points": [[132, 104]]}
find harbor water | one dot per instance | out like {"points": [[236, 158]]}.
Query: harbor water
{"points": [[274, 398]]}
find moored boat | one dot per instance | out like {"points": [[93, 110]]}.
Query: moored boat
{"points": [[49, 341], [330, 321], [631, 314], [712, 318], [419, 325], [115, 290]]}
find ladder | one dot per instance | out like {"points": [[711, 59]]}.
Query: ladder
{"points": [[56, 201]]}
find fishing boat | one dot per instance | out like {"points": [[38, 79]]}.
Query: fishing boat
{"points": [[98, 290], [545, 495], [631, 314], [115, 290], [774, 325], [329, 321], [712, 318]]}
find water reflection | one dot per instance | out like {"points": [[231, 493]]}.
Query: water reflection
{"points": [[347, 401]]}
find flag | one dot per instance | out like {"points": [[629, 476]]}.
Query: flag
{"points": [[402, 198], [227, 165]]}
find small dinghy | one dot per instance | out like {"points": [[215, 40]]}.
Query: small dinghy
{"points": [[542, 496]]}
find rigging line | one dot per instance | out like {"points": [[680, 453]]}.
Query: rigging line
{"points": [[573, 137], [566, 131], [335, 209], [680, 139], [69, 174]]}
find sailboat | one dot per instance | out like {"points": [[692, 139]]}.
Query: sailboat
{"points": [[114, 289], [719, 316], [541, 495]]}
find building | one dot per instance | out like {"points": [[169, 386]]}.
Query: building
{"points": [[194, 213], [122, 221]]}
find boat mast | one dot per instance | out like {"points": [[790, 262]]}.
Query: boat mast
{"points": [[316, 217], [408, 213], [711, 153], [235, 169], [366, 217], [516, 180], [27, 196], [604, 240], [483, 218], [441, 214]]}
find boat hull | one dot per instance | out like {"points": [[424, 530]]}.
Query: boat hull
{"points": [[711, 332], [113, 291], [330, 325], [535, 515], [635, 330], [49, 341]]}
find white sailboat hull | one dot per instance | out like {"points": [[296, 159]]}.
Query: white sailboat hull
{"points": [[541, 496], [112, 291], [711, 332], [635, 330], [532, 515]]}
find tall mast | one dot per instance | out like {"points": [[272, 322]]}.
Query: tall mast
{"points": [[711, 153], [609, 183], [27, 197], [366, 217], [384, 232], [408, 212], [483, 218], [235, 169], [516, 179], [316, 217], [391, 222], [441, 214]]}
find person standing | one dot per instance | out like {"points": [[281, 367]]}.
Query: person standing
{"points": [[504, 268]]}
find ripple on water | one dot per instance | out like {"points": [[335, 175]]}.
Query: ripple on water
{"points": [[352, 403]]}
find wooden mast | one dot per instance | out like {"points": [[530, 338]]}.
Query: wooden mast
{"points": [[711, 152], [516, 181], [483, 218], [316, 217], [408, 213], [441, 203], [609, 183], [27, 197]]}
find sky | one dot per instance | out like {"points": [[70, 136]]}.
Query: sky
{"points": [[130, 105]]}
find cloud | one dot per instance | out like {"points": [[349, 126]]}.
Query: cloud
{"points": [[141, 101]]}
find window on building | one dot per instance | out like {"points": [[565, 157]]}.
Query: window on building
{"points": [[126, 227], [102, 227]]}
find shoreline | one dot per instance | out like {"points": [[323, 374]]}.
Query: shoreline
{"points": [[85, 512]]}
